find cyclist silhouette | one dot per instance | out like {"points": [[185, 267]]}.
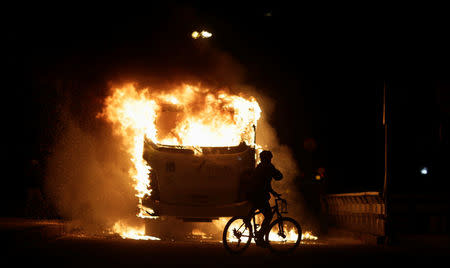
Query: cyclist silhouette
{"points": [[262, 178]]}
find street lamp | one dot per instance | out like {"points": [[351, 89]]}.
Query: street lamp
{"points": [[424, 171], [203, 34]]}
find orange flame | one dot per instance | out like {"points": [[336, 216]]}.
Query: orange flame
{"points": [[128, 232], [189, 116], [291, 235]]}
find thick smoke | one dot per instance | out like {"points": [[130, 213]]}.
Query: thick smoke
{"points": [[88, 172], [88, 179], [87, 176], [283, 160]]}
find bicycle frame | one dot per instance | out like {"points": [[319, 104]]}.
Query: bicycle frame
{"points": [[247, 227], [275, 211]]}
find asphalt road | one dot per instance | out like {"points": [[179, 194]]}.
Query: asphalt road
{"points": [[29, 244], [116, 252]]}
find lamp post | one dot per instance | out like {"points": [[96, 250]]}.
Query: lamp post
{"points": [[386, 188]]}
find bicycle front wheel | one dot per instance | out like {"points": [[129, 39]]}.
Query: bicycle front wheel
{"points": [[237, 235], [284, 235]]}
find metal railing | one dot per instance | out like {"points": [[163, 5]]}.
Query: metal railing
{"points": [[362, 212]]}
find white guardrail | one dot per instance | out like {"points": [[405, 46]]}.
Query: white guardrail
{"points": [[360, 212]]}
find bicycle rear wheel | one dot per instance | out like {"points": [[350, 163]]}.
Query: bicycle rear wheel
{"points": [[284, 235], [237, 235]]}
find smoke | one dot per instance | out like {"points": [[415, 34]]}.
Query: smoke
{"points": [[88, 172], [284, 161], [87, 175]]}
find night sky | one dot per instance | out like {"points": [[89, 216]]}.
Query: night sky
{"points": [[325, 67]]}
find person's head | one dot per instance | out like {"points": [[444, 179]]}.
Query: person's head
{"points": [[265, 156]]}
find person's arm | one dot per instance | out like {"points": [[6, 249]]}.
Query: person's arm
{"points": [[273, 191], [276, 174]]}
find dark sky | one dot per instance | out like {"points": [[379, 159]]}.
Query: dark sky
{"points": [[324, 65]]}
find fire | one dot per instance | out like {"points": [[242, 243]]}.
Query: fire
{"points": [[291, 234], [126, 231], [309, 236], [187, 115], [198, 232], [131, 113]]}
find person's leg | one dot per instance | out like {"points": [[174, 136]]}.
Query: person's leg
{"points": [[250, 214], [268, 215], [267, 212]]}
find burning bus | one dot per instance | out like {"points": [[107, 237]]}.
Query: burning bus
{"points": [[198, 184], [191, 148]]}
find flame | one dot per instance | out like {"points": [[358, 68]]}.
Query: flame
{"points": [[308, 236], [198, 232], [291, 234], [127, 232], [131, 113], [187, 115]]}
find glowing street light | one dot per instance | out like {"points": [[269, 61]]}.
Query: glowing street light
{"points": [[195, 34], [424, 171], [202, 34], [206, 34]]}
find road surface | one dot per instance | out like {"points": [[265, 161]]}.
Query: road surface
{"points": [[74, 250]]}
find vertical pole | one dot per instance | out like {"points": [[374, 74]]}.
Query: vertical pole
{"points": [[387, 218], [385, 142]]}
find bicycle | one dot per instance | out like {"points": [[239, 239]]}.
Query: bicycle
{"points": [[283, 235]]}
